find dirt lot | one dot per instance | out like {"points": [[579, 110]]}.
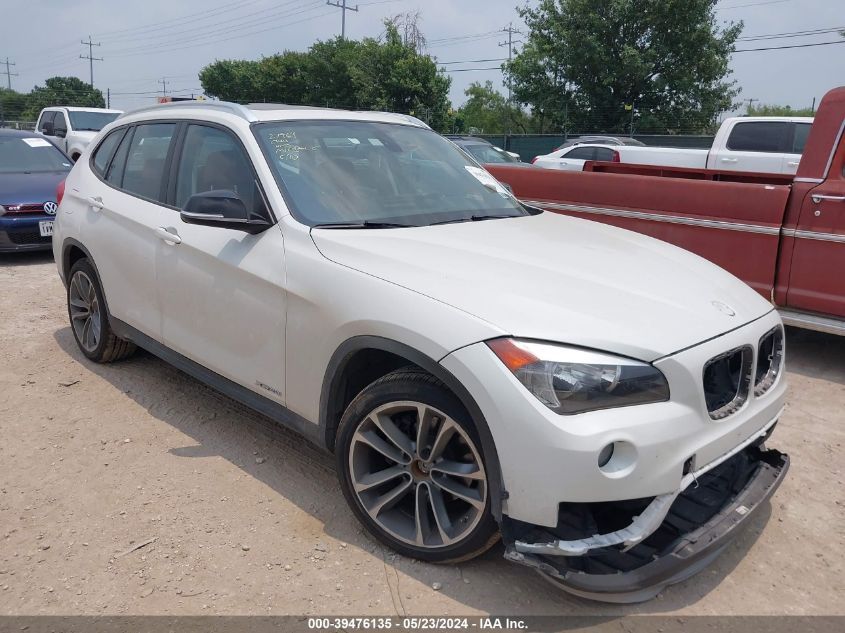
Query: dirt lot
{"points": [[248, 519]]}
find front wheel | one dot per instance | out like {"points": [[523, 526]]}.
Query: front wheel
{"points": [[411, 468]]}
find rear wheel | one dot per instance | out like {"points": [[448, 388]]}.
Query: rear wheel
{"points": [[412, 470], [89, 319]]}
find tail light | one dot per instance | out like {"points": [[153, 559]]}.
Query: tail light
{"points": [[534, 160], [60, 192], [616, 157]]}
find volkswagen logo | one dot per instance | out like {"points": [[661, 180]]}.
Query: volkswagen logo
{"points": [[724, 308], [50, 208]]}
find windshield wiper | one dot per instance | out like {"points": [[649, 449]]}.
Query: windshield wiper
{"points": [[366, 224], [474, 218]]}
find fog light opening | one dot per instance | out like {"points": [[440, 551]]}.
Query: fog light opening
{"points": [[605, 455], [617, 459]]}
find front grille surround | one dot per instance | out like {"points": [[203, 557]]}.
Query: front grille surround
{"points": [[727, 381], [770, 353]]}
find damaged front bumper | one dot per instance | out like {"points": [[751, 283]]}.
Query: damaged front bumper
{"points": [[670, 538]]}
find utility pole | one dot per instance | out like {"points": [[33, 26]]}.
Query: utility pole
{"points": [[510, 31], [90, 57], [163, 82], [341, 4], [108, 97], [750, 103], [9, 74]]}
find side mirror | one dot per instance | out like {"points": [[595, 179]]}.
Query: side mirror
{"points": [[47, 129], [223, 209], [61, 132]]}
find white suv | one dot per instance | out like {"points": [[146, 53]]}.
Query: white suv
{"points": [[479, 368], [73, 128]]}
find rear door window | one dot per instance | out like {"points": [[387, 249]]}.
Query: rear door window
{"points": [[144, 172], [802, 132], [761, 136], [582, 153]]}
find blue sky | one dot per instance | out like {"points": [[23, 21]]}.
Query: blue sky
{"points": [[145, 42]]}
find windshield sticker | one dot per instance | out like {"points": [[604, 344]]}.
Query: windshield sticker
{"points": [[36, 142], [486, 179]]}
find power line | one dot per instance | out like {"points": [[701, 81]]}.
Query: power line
{"points": [[777, 36], [469, 70], [9, 74], [778, 48], [753, 4], [90, 57], [341, 4], [473, 61]]}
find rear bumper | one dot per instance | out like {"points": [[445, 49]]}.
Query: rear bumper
{"points": [[22, 233], [638, 574]]}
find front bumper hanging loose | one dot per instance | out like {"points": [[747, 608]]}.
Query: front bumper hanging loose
{"points": [[663, 545]]}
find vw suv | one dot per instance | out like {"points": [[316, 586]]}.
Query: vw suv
{"points": [[481, 369]]}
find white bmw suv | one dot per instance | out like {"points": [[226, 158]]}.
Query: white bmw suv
{"points": [[597, 398]]}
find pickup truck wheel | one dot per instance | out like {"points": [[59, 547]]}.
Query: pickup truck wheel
{"points": [[410, 468], [89, 319]]}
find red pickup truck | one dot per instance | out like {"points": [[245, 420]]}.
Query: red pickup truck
{"points": [[783, 235]]}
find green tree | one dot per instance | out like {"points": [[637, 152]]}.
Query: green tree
{"points": [[69, 91], [371, 74], [487, 111], [596, 65], [12, 105], [776, 110]]}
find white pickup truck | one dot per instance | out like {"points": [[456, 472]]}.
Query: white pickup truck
{"points": [[753, 144], [72, 128]]}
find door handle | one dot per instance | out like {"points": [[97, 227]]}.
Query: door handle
{"points": [[818, 197], [96, 203], [730, 160], [793, 163], [167, 236]]}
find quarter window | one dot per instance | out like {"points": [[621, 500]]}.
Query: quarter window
{"points": [[212, 159], [105, 150], [144, 171], [761, 136], [603, 153], [115, 173]]}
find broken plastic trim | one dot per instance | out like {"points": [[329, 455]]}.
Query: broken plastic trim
{"points": [[643, 525]]}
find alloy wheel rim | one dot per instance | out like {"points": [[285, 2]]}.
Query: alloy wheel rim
{"points": [[418, 474], [85, 316]]}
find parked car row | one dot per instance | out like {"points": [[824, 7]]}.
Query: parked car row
{"points": [[477, 369], [747, 144]]}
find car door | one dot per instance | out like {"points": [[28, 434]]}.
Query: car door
{"points": [[222, 290], [574, 159], [756, 146], [123, 210], [816, 280]]}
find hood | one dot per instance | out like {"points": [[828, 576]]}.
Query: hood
{"points": [[560, 279], [35, 188]]}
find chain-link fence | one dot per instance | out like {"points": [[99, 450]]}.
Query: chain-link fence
{"points": [[18, 125]]}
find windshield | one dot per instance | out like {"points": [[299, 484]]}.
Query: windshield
{"points": [[354, 172], [29, 155], [91, 121], [489, 154]]}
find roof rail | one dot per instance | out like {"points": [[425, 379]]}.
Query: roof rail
{"points": [[232, 108]]}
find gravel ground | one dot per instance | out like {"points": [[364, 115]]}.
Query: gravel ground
{"points": [[133, 489]]}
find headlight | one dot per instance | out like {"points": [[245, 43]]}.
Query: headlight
{"points": [[570, 380]]}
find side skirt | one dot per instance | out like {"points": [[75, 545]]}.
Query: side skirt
{"points": [[273, 410]]}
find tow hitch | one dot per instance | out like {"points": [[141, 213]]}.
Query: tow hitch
{"points": [[628, 551]]}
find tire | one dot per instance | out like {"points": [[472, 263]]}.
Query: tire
{"points": [[89, 319], [401, 483]]}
